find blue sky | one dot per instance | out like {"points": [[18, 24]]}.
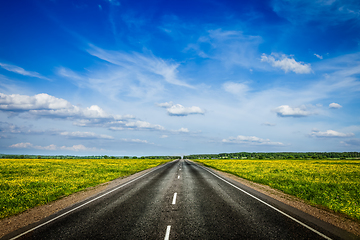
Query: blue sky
{"points": [[179, 77]]}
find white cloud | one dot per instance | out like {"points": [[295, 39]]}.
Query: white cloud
{"points": [[17, 102], [89, 135], [329, 134], [165, 104], [286, 63], [287, 111], [135, 141], [50, 147], [44, 105], [22, 145], [252, 140], [335, 106], [182, 130], [144, 125], [29, 145], [21, 71], [164, 136], [179, 110], [236, 88], [77, 148], [318, 56]]}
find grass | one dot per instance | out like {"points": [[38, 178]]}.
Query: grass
{"points": [[333, 184], [26, 183]]}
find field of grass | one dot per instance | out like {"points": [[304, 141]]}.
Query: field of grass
{"points": [[334, 184], [26, 183]]}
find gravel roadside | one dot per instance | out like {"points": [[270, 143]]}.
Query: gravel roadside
{"points": [[10, 224], [336, 219]]}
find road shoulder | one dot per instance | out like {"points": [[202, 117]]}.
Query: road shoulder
{"points": [[336, 219], [33, 215]]}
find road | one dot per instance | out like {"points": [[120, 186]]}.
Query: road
{"points": [[180, 200]]}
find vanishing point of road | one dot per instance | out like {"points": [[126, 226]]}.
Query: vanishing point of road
{"points": [[180, 200]]}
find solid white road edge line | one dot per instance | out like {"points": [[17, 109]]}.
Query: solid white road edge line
{"points": [[174, 199], [167, 234], [92, 200], [278, 210]]}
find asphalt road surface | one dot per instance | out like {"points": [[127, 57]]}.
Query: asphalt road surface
{"points": [[180, 200]]}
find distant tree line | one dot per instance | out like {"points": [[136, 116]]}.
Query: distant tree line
{"points": [[14, 156], [278, 155]]}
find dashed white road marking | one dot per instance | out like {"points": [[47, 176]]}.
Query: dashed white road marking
{"points": [[174, 199], [167, 234], [179, 177]]}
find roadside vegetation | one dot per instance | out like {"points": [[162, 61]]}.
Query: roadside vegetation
{"points": [[26, 183], [333, 184]]}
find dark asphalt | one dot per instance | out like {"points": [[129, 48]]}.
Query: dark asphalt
{"points": [[206, 208]]}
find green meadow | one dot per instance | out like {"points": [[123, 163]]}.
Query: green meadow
{"points": [[26, 183]]}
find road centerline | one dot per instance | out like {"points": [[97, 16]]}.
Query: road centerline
{"points": [[174, 199], [167, 234]]}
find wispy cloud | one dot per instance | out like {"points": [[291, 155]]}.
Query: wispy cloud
{"points": [[52, 147], [123, 125], [329, 134], [6, 127], [252, 140], [286, 63], [135, 75], [268, 124], [318, 56], [352, 142], [238, 89], [21, 71], [114, 2], [328, 12], [230, 48], [143, 63], [85, 135], [136, 141]]}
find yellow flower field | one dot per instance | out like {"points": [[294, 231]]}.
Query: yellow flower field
{"points": [[26, 183], [334, 184]]}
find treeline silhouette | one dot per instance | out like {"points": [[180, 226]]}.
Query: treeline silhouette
{"points": [[14, 156], [278, 155]]}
